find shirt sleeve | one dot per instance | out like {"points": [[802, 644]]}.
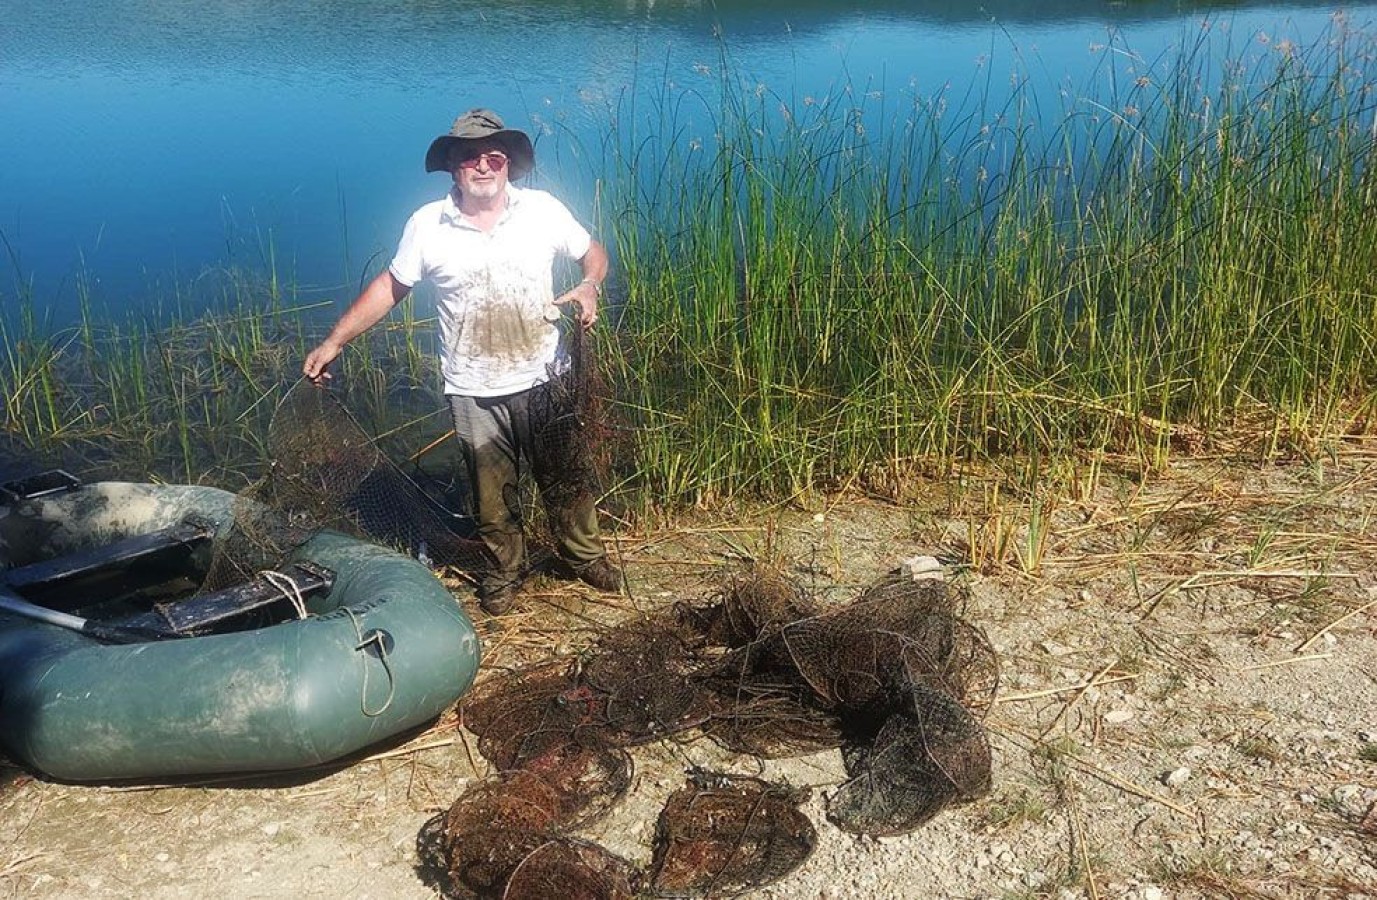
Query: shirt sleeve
{"points": [[408, 265], [571, 238]]}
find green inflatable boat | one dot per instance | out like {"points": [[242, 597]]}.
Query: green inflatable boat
{"points": [[347, 645]]}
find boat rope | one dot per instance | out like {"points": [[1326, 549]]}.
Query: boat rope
{"points": [[287, 585], [376, 638]]}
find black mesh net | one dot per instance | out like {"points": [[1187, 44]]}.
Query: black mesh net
{"points": [[895, 679], [327, 472], [929, 755]]}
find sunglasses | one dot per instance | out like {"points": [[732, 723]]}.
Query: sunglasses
{"points": [[496, 161]]}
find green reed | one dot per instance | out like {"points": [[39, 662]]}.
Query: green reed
{"points": [[814, 293], [819, 291], [189, 401]]}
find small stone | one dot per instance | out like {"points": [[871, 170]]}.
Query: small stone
{"points": [[1153, 892], [162, 857], [1177, 777], [271, 829], [1348, 794], [1118, 716], [923, 568]]}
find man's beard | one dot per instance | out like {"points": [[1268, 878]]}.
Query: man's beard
{"points": [[481, 191]]}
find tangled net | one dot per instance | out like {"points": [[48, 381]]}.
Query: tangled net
{"points": [[326, 471], [895, 679]]}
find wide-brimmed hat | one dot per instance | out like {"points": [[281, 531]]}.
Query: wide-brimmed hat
{"points": [[482, 125]]}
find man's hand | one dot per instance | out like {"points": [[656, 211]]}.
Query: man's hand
{"points": [[318, 361], [584, 299]]}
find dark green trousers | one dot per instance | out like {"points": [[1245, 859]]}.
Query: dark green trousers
{"points": [[498, 435]]}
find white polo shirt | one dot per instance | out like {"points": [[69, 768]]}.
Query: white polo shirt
{"points": [[493, 289]]}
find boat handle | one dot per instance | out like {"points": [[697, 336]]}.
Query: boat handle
{"points": [[380, 641]]}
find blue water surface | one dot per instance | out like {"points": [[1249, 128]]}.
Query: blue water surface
{"points": [[155, 150]]}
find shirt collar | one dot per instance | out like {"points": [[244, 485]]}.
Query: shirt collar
{"points": [[450, 211]]}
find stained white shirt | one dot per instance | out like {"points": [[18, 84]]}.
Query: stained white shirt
{"points": [[493, 289]]}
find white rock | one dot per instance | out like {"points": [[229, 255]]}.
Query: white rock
{"points": [[923, 568], [1177, 777], [1153, 892], [272, 828], [1118, 716]]}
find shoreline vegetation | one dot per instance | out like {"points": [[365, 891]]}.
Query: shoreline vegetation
{"points": [[825, 297]]}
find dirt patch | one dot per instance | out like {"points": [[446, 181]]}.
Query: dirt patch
{"points": [[1188, 707]]}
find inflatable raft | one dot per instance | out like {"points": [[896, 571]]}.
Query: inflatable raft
{"points": [[347, 646]]}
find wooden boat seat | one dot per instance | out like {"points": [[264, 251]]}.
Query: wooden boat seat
{"points": [[53, 577], [186, 617]]}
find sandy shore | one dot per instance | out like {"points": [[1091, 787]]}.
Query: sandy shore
{"points": [[1188, 708]]}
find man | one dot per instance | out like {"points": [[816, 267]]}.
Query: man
{"points": [[488, 248]]}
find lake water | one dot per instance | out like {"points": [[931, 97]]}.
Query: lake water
{"points": [[151, 146]]}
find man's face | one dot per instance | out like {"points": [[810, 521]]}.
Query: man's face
{"points": [[480, 170]]}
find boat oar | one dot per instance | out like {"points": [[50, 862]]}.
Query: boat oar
{"points": [[113, 634]]}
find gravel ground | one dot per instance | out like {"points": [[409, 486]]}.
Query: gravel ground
{"points": [[1188, 708]]}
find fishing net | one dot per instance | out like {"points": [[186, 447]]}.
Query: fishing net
{"points": [[897, 632], [923, 759], [721, 835], [572, 870], [479, 845], [326, 471], [895, 679], [572, 436]]}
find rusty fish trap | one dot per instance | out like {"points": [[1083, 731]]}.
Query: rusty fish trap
{"points": [[895, 679], [572, 870], [479, 844], [721, 835]]}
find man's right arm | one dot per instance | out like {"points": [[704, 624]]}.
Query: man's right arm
{"points": [[376, 301]]}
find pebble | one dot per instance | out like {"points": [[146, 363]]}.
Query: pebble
{"points": [[1153, 892], [1118, 716], [1177, 777], [272, 828], [921, 568]]}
